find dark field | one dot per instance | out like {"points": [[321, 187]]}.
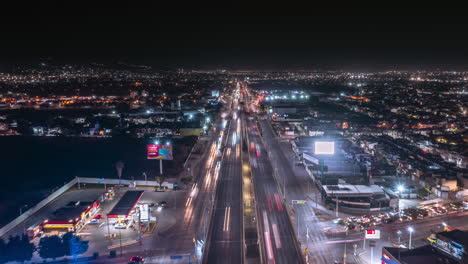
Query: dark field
{"points": [[31, 167]]}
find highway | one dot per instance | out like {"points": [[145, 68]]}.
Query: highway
{"points": [[278, 239], [225, 239], [298, 186], [186, 237]]}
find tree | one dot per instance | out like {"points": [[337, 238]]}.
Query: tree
{"points": [[73, 245], [423, 192], [25, 249], [51, 247], [4, 258], [18, 249], [160, 181]]}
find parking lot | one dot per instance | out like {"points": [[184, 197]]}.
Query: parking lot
{"points": [[405, 215], [98, 233]]}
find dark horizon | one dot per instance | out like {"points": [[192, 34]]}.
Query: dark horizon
{"points": [[353, 39]]}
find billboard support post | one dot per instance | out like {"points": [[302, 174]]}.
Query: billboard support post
{"points": [[160, 167]]}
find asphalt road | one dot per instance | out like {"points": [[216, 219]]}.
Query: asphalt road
{"points": [[225, 242], [278, 239], [298, 186]]}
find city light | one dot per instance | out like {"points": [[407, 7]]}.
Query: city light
{"points": [[400, 188]]}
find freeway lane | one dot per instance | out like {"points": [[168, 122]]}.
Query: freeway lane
{"points": [[225, 242], [308, 227], [277, 232]]}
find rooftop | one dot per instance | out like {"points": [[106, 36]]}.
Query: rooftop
{"points": [[353, 189]]}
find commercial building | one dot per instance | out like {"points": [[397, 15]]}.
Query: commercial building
{"points": [[71, 217], [357, 198], [449, 248]]}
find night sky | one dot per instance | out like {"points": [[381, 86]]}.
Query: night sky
{"points": [[348, 39]]}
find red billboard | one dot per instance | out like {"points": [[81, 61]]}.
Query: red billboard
{"points": [[159, 152]]}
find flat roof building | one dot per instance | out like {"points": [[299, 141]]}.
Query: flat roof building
{"points": [[356, 198], [125, 205], [449, 248]]}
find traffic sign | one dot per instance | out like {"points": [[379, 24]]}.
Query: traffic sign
{"points": [[299, 201], [306, 250]]}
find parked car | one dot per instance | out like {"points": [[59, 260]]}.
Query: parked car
{"points": [[136, 260], [162, 204]]}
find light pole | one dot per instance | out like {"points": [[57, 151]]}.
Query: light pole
{"points": [[146, 177], [399, 236], [20, 213], [120, 238], [410, 230]]}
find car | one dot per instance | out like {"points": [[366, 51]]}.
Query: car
{"points": [[94, 221], [432, 238], [162, 204], [388, 220], [136, 260], [98, 216]]}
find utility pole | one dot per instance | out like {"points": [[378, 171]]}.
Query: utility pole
{"points": [[337, 202], [120, 238], [344, 254], [108, 228], [160, 167], [371, 245], [20, 213], [139, 226]]}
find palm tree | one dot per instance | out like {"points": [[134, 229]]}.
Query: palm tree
{"points": [[160, 181], [119, 165]]}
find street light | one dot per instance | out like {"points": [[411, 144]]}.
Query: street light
{"points": [[400, 188], [445, 226], [156, 142], [410, 230], [399, 236]]}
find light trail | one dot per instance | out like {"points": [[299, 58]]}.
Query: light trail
{"points": [[279, 204], [266, 234], [276, 235], [227, 218]]}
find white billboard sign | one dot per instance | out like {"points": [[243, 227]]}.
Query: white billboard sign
{"points": [[144, 212], [372, 234], [324, 147]]}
